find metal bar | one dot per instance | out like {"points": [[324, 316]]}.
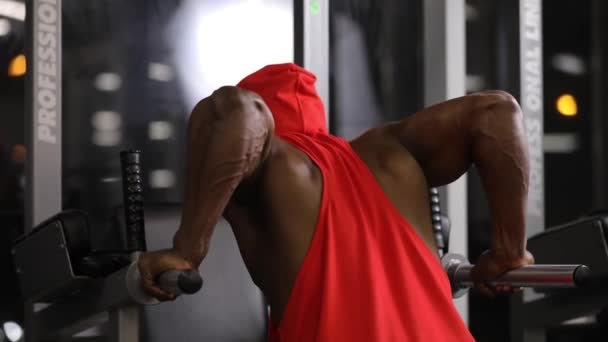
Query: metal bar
{"points": [[444, 78], [311, 42], [539, 276], [43, 101]]}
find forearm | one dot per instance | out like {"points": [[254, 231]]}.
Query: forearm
{"points": [[484, 129], [500, 154], [228, 135]]}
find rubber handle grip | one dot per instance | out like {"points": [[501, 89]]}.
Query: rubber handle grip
{"points": [[180, 282]]}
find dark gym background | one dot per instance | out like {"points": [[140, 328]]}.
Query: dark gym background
{"points": [[376, 66]]}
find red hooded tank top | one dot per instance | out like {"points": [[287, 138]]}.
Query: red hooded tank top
{"points": [[367, 275]]}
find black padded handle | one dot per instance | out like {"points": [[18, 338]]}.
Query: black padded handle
{"points": [[180, 282], [132, 189]]}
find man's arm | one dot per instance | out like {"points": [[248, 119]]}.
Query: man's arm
{"points": [[229, 136], [486, 130]]}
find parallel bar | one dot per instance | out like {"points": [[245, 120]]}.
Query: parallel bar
{"points": [[537, 276]]}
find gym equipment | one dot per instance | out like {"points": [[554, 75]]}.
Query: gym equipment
{"points": [[583, 241], [543, 276], [78, 282], [549, 274], [440, 222]]}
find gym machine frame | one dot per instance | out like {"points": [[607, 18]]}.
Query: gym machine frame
{"points": [[113, 305], [81, 285], [43, 132]]}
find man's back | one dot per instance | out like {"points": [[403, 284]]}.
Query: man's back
{"points": [[338, 251], [274, 228]]}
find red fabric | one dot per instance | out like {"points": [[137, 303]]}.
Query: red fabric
{"points": [[289, 91], [367, 275]]}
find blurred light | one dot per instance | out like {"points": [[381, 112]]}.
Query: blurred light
{"points": [[569, 63], [475, 83], [222, 55], [13, 331], [585, 320], [314, 7], [106, 120], [160, 130], [160, 72], [18, 66], [19, 154], [108, 81], [110, 179], [566, 105], [560, 143], [5, 27], [253, 34], [107, 138], [12, 9], [162, 178], [471, 12]]}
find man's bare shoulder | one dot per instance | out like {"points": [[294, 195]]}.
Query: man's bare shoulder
{"points": [[382, 152], [287, 166]]}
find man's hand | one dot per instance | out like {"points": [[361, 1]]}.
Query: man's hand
{"points": [[152, 264], [492, 265]]}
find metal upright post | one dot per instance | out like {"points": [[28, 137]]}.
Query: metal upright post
{"points": [[520, 64], [43, 118], [311, 42], [43, 113], [124, 324], [444, 78], [531, 100]]}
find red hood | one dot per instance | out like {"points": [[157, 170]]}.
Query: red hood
{"points": [[290, 94]]}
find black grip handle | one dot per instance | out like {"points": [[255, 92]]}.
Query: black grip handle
{"points": [[582, 275], [180, 282], [132, 189]]}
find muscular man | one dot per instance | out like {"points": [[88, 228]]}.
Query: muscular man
{"points": [[337, 234]]}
